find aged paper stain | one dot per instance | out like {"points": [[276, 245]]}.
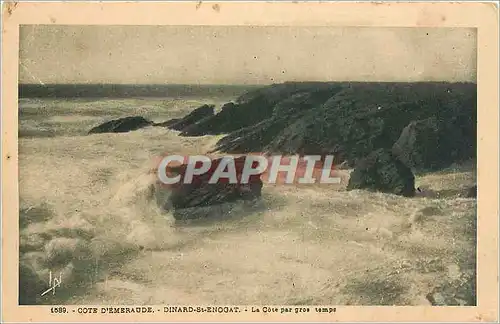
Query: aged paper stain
{"points": [[10, 7], [198, 5], [216, 7], [430, 18]]}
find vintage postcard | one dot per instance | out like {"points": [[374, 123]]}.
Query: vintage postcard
{"points": [[249, 161]]}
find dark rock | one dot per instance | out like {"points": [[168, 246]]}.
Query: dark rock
{"points": [[380, 171], [253, 107], [201, 193], [227, 106], [365, 117], [193, 117], [121, 125], [472, 192], [167, 123], [418, 144], [431, 144], [343, 166], [356, 119], [251, 139], [205, 194], [193, 128]]}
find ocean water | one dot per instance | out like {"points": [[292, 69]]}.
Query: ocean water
{"points": [[99, 226]]}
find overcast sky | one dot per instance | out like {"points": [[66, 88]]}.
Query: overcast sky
{"points": [[243, 55]]}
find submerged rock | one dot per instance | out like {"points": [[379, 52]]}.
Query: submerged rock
{"points": [[122, 125], [201, 193]]}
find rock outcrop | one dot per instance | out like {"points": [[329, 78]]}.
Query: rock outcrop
{"points": [[254, 107], [167, 123], [122, 125], [350, 120], [381, 171], [293, 108], [192, 118], [432, 144], [419, 126]]}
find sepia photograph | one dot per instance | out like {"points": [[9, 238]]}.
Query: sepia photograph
{"points": [[394, 107], [206, 166]]}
